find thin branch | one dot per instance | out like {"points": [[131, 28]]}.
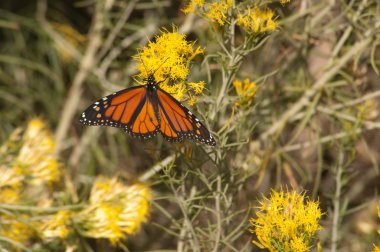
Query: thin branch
{"points": [[351, 103], [116, 30], [87, 63], [336, 203], [322, 140], [319, 84], [156, 168]]}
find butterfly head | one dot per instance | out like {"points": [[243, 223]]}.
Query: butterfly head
{"points": [[151, 81]]}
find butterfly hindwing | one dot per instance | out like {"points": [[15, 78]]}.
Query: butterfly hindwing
{"points": [[145, 121], [177, 122]]}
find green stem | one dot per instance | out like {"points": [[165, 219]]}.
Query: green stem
{"points": [[337, 204], [24, 208]]}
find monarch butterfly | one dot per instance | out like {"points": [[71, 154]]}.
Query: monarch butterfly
{"points": [[144, 111]]}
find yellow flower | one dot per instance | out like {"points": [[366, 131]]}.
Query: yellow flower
{"points": [[10, 178], [198, 87], [368, 110], [285, 222], [72, 37], [195, 90], [176, 90], [115, 210], [284, 1], [378, 214], [10, 195], [257, 20], [193, 5], [58, 226], [298, 244], [168, 58], [218, 12], [375, 248], [246, 91], [36, 160], [15, 228], [192, 100]]}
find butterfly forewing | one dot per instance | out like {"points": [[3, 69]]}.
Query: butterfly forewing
{"points": [[125, 109]]}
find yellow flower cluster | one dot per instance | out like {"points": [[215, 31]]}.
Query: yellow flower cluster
{"points": [[376, 248], [216, 12], [114, 210], [193, 5], [251, 18], [16, 228], [368, 110], [36, 161], [30, 164], [285, 222], [57, 226], [72, 37], [169, 58], [257, 20], [246, 91]]}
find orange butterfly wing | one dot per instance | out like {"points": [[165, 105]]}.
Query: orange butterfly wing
{"points": [[177, 122], [130, 108]]}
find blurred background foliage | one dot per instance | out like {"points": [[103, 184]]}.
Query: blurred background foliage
{"points": [[292, 106]]}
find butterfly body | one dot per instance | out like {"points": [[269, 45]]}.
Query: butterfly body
{"points": [[144, 111]]}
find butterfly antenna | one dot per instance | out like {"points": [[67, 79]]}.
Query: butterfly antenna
{"points": [[160, 66], [165, 77], [146, 70]]}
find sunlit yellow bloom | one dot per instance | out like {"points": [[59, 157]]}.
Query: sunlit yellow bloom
{"points": [[9, 177], [10, 195], [375, 248], [58, 226], [168, 57], [245, 90], [15, 228], [176, 90], [378, 214], [285, 222], [368, 110], [257, 20], [298, 244], [192, 100], [217, 12], [198, 87], [191, 7], [115, 210], [72, 37], [36, 160], [284, 1]]}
